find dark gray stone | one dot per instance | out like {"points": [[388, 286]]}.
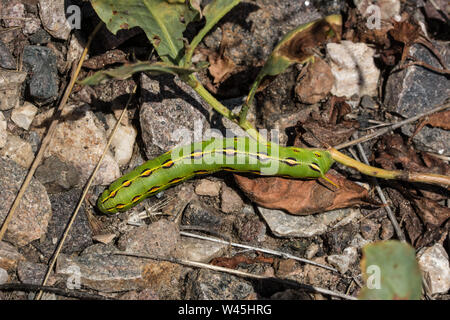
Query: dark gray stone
{"points": [[200, 215], [7, 60], [40, 62], [57, 176], [416, 90], [80, 235], [209, 285], [40, 37]]}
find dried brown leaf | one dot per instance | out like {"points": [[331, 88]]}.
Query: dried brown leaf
{"points": [[303, 197]]}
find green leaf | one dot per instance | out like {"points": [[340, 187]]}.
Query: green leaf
{"points": [[213, 12], [391, 272], [128, 70], [163, 21], [295, 47]]}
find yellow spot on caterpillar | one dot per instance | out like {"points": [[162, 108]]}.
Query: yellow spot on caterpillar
{"points": [[153, 189], [135, 199], [120, 206], [167, 164], [146, 173], [176, 180], [126, 183]]}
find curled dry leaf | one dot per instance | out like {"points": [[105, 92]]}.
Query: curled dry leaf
{"points": [[431, 212], [439, 120], [316, 84], [303, 197]]}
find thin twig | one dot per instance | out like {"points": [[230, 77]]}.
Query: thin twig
{"points": [[268, 251], [241, 274], [61, 292], [390, 214], [391, 127]]}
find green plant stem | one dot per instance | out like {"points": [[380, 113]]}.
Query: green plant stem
{"points": [[220, 108], [249, 100], [389, 174]]}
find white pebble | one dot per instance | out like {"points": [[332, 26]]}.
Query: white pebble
{"points": [[24, 115]]}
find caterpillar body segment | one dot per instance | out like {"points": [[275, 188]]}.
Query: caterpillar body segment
{"points": [[206, 157]]}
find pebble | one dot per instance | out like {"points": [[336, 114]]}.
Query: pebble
{"points": [[24, 115], [10, 88], [208, 188], [251, 230], [209, 285], [7, 60], [415, 90], [286, 225], [369, 229], [172, 114], [353, 68], [18, 150], [15, 10], [312, 250], [34, 273], [435, 263], [80, 143], [3, 132], [101, 270], [387, 8], [200, 250], [158, 239], [387, 230], [80, 234], [231, 201], [343, 261], [199, 214], [41, 63], [34, 211], [57, 176], [9, 256], [53, 17], [40, 37], [3, 276], [122, 143]]}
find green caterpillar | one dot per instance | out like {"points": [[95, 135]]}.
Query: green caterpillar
{"points": [[200, 158]]}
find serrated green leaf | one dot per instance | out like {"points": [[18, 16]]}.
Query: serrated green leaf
{"points": [[128, 70], [163, 21], [391, 272]]}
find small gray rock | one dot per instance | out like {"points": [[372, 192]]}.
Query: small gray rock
{"points": [[209, 285], [415, 90], [79, 236], [42, 64], [387, 230], [286, 225], [369, 229], [7, 60], [3, 276], [33, 214], [157, 239], [198, 214], [231, 201], [171, 113], [57, 176], [10, 88]]}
